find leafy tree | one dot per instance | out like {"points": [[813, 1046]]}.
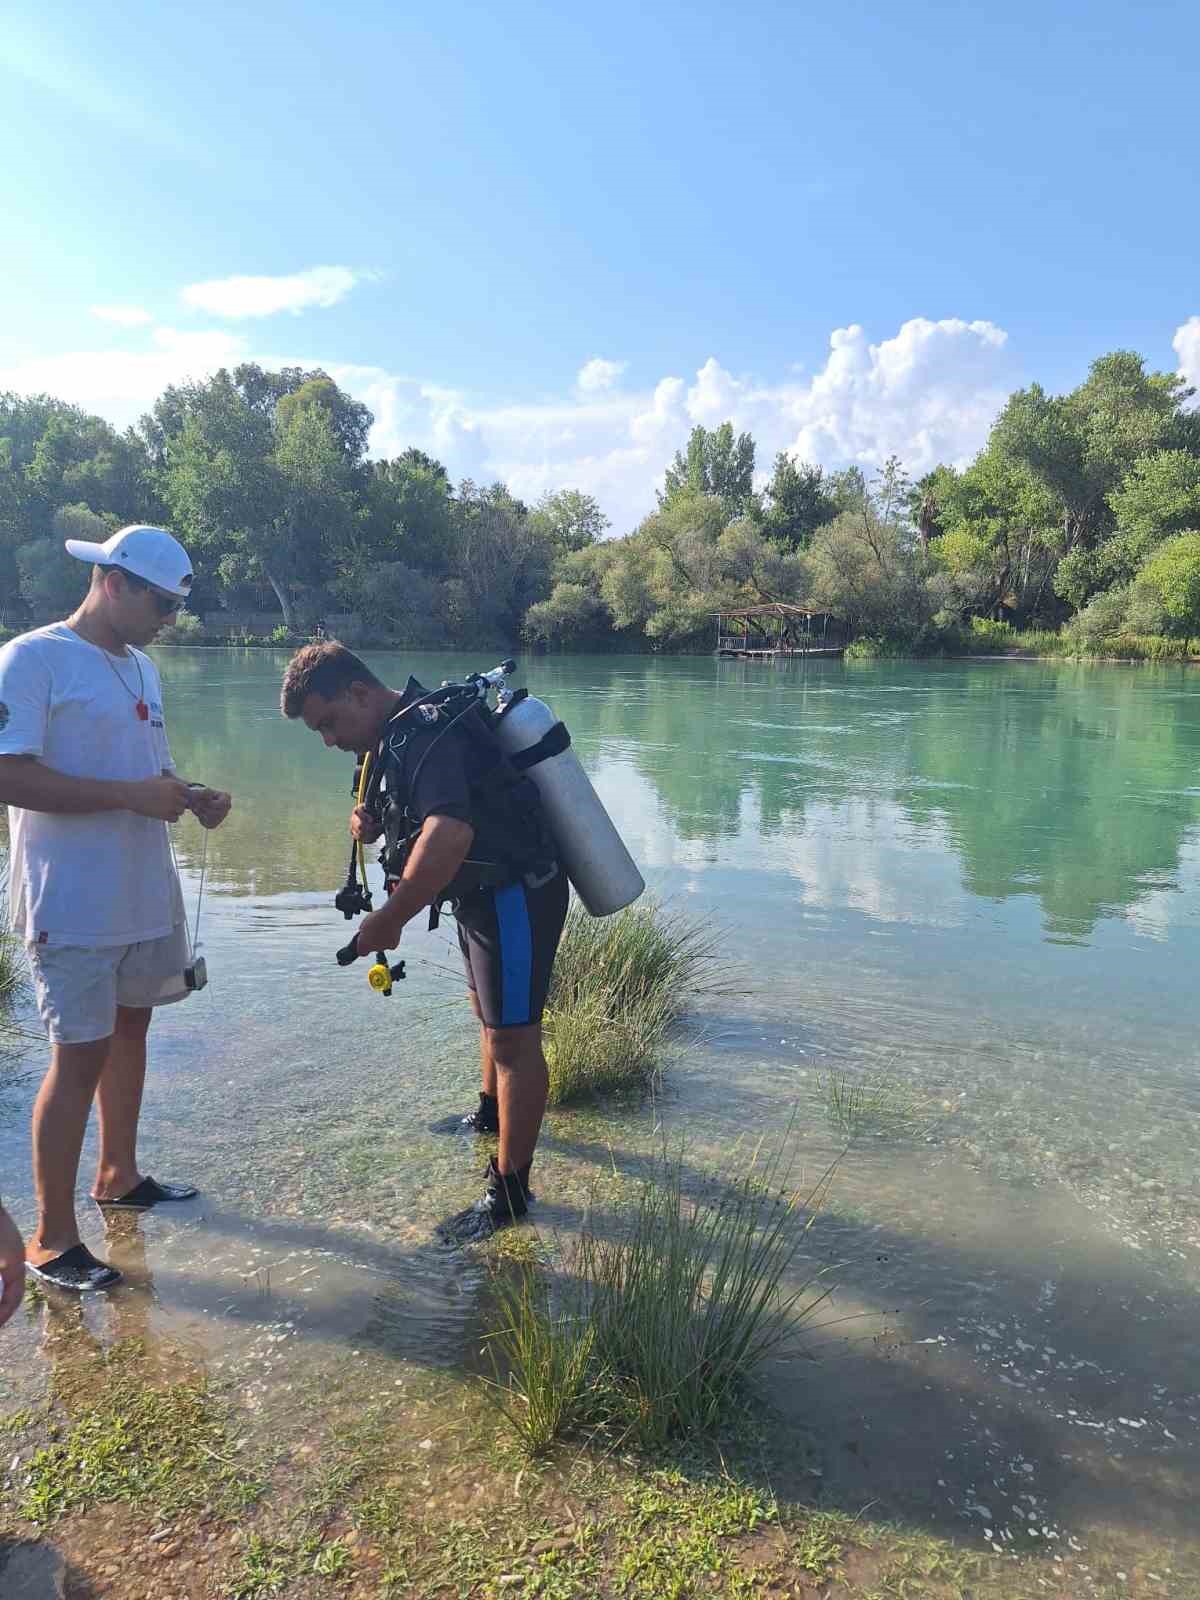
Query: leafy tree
{"points": [[570, 520], [796, 502], [572, 618], [262, 471], [410, 513], [502, 564], [1173, 571], [715, 464], [1160, 496], [1080, 446], [993, 529], [395, 601], [864, 569], [50, 579], [891, 493]]}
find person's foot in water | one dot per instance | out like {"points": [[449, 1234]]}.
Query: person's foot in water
{"points": [[505, 1200], [484, 1119]]}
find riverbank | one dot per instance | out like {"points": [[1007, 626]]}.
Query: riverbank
{"points": [[153, 1482]]}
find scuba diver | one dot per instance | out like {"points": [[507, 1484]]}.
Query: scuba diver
{"points": [[461, 826]]}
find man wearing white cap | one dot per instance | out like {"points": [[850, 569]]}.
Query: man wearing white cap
{"points": [[87, 774]]}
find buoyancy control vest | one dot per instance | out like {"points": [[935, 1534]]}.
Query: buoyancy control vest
{"points": [[512, 842]]}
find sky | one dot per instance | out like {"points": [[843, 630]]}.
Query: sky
{"points": [[543, 241]]}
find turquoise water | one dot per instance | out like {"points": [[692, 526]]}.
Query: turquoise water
{"points": [[972, 888]]}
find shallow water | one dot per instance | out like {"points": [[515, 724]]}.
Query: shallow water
{"points": [[976, 883]]}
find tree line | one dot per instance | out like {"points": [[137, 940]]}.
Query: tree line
{"points": [[1081, 509]]}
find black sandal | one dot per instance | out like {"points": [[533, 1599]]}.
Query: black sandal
{"points": [[76, 1269], [151, 1193]]}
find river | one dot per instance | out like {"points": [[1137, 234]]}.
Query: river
{"points": [[972, 886]]}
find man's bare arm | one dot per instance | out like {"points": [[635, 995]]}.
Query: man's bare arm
{"points": [[438, 852], [26, 783]]}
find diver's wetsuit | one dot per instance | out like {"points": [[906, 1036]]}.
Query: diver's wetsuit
{"points": [[510, 924]]}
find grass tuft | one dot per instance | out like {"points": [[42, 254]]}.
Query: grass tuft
{"points": [[552, 1386], [660, 1327], [880, 1106], [14, 982], [620, 985]]}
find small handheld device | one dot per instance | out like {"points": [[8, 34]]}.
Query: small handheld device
{"points": [[196, 976]]}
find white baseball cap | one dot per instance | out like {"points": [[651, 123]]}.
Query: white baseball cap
{"points": [[149, 553]]}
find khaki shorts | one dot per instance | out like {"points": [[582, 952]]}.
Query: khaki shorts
{"points": [[79, 989]]}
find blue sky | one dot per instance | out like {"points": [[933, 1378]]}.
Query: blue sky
{"points": [[553, 237]]}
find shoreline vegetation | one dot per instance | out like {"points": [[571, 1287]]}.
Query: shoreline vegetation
{"points": [[1004, 644], [1075, 531], [985, 640]]}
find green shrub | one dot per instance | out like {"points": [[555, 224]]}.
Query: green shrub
{"points": [[186, 629], [878, 648], [620, 983], [1089, 630]]}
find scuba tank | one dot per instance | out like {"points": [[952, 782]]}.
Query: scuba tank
{"points": [[598, 864]]}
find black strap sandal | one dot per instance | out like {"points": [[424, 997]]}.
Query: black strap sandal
{"points": [[76, 1269], [151, 1193]]}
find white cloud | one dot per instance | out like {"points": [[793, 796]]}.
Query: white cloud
{"points": [[1186, 345], [597, 375], [263, 297], [927, 394], [123, 316], [122, 384]]}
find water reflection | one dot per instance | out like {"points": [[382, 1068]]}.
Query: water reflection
{"points": [[1070, 784]]}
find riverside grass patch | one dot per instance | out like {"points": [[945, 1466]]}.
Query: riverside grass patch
{"points": [[620, 985], [655, 1326], [125, 1439]]}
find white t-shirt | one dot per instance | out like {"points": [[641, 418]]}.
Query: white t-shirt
{"points": [[106, 877]]}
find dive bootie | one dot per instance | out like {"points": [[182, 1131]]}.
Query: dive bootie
{"points": [[505, 1200], [484, 1119]]}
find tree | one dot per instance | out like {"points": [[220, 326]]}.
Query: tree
{"points": [[994, 531], [1078, 447], [1159, 496], [865, 566], [572, 618], [502, 565], [570, 520], [50, 579], [715, 464], [394, 600], [796, 502], [410, 513], [1173, 571], [262, 470]]}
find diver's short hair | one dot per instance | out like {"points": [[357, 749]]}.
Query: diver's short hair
{"points": [[327, 669]]}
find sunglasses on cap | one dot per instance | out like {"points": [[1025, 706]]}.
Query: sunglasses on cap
{"points": [[166, 603]]}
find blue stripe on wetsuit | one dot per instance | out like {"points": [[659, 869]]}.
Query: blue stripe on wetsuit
{"points": [[516, 953]]}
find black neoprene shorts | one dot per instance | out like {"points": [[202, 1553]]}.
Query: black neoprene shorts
{"points": [[509, 938]]}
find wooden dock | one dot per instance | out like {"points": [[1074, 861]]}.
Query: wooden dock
{"points": [[778, 632], [769, 653]]}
